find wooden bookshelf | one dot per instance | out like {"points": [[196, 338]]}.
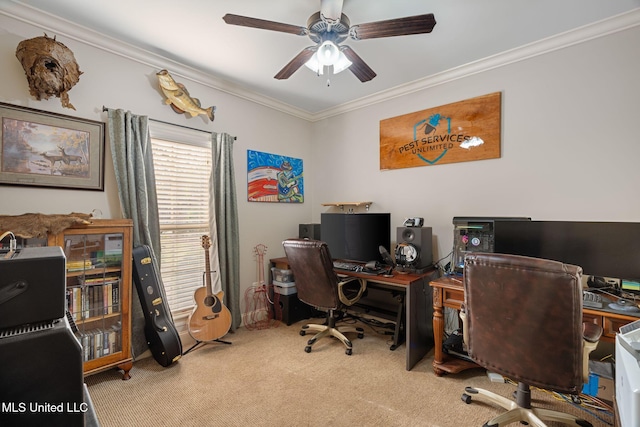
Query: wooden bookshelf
{"points": [[98, 293]]}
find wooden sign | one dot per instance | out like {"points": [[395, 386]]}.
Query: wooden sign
{"points": [[460, 132]]}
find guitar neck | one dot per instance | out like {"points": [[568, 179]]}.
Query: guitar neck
{"points": [[207, 272]]}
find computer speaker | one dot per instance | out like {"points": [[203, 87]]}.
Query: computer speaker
{"points": [[414, 247], [309, 231]]}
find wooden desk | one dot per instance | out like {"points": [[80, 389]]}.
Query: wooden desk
{"points": [[449, 292], [418, 325]]}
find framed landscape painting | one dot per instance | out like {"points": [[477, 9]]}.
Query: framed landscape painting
{"points": [[43, 149]]}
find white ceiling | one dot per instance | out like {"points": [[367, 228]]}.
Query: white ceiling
{"points": [[192, 32]]}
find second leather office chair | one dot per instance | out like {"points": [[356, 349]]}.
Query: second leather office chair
{"points": [[319, 286], [523, 319]]}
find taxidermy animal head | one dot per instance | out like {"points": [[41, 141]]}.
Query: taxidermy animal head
{"points": [[50, 67]]}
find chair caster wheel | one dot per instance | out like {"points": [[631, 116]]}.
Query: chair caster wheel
{"points": [[308, 349], [466, 398], [348, 352], [303, 333], [360, 336]]}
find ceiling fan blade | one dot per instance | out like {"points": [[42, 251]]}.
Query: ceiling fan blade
{"points": [[331, 10], [418, 24], [358, 67], [298, 61], [245, 21]]}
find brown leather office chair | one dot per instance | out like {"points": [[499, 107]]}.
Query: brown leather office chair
{"points": [[523, 319], [319, 286]]}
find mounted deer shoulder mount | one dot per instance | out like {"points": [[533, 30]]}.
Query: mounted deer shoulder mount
{"points": [[50, 67]]}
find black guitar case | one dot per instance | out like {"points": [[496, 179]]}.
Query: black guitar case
{"points": [[162, 336]]}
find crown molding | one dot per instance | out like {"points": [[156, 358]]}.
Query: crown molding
{"points": [[60, 26], [576, 36]]}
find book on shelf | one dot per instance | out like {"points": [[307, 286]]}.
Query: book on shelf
{"points": [[100, 342], [86, 302], [79, 265], [99, 280]]}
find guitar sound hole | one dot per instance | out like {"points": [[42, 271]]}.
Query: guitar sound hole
{"points": [[209, 301]]}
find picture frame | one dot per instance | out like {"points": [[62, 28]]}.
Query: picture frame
{"points": [[274, 178], [44, 149]]}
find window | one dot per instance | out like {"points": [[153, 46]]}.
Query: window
{"points": [[182, 163]]}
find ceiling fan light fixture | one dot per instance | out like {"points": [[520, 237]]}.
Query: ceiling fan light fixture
{"points": [[328, 53], [341, 64], [314, 65]]}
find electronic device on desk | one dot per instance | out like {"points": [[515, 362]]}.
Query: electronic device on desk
{"points": [[347, 266], [414, 222], [356, 237], [606, 249], [598, 282], [388, 260], [309, 231], [625, 306], [414, 251], [592, 300], [632, 286], [372, 267], [475, 234]]}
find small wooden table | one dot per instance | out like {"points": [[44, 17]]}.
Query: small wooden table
{"points": [[449, 292]]}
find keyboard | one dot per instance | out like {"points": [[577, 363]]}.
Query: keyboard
{"points": [[349, 266], [355, 267], [593, 300]]}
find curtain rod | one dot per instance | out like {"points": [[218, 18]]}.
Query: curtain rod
{"points": [[172, 124]]}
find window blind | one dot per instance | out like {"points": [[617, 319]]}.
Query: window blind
{"points": [[182, 182]]}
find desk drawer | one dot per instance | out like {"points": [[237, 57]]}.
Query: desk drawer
{"points": [[592, 318], [452, 298], [612, 326], [609, 322]]}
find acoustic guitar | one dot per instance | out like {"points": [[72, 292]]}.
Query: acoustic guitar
{"points": [[210, 319]]}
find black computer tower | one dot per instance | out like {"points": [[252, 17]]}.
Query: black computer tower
{"points": [[289, 309], [474, 234]]}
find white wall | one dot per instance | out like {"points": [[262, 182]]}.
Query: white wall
{"points": [[116, 82], [570, 145]]}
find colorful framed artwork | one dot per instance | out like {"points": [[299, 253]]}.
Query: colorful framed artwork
{"points": [[274, 178], [43, 149]]}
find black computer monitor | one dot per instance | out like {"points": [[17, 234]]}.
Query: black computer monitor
{"points": [[607, 249], [356, 236]]}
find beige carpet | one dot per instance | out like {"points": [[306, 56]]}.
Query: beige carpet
{"points": [[266, 379]]}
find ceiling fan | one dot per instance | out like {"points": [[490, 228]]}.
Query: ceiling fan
{"points": [[328, 28]]}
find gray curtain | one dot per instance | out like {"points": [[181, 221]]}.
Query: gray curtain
{"points": [[223, 188], [133, 163]]}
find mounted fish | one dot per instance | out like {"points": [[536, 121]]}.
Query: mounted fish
{"points": [[179, 99], [50, 67]]}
